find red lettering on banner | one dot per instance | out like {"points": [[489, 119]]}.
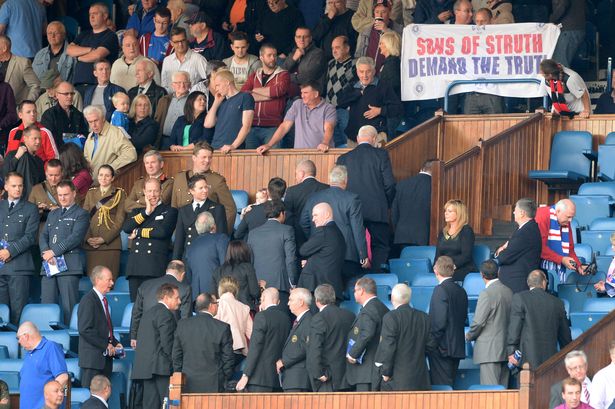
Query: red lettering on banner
{"points": [[435, 46], [514, 44]]}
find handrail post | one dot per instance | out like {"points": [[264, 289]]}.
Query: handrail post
{"points": [[525, 382], [175, 390]]}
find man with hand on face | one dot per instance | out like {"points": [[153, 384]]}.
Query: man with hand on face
{"points": [[25, 161], [150, 229], [153, 162], [336, 22], [305, 63]]}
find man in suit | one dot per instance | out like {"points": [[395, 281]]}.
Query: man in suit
{"points": [[150, 228], [100, 390], [145, 73], [576, 366], [348, 216], [448, 312], [370, 176], [153, 362], [363, 338], [297, 195], [326, 362], [521, 254], [153, 162], [62, 236], [292, 367], [404, 342], [19, 220], [537, 323], [411, 209], [253, 216], [97, 344], [488, 328], [270, 331], [203, 348], [19, 74], [186, 216], [324, 252], [146, 296], [273, 246], [219, 192], [207, 253]]}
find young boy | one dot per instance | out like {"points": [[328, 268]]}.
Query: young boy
{"points": [[241, 64], [157, 45], [119, 118]]}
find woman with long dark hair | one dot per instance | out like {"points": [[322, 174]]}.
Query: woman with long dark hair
{"points": [[238, 264], [75, 168], [188, 128]]}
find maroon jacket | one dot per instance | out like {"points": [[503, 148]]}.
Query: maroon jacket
{"points": [[269, 113]]}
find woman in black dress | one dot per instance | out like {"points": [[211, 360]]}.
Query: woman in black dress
{"points": [[238, 264]]}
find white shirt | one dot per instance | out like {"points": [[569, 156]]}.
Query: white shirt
{"points": [[368, 300], [194, 63], [601, 390], [100, 297], [200, 204], [574, 95]]}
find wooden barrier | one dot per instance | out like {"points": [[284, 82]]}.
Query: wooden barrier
{"points": [[507, 399]]}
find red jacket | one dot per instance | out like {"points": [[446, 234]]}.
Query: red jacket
{"points": [[543, 221], [269, 113], [48, 148]]}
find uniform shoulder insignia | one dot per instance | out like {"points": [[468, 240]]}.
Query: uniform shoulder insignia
{"points": [[141, 177], [93, 188]]}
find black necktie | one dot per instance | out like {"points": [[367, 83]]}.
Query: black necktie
{"points": [[197, 208], [11, 206], [141, 90], [63, 211]]}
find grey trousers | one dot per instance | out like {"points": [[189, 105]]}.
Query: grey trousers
{"points": [[494, 373], [67, 287]]}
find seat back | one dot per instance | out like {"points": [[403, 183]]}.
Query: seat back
{"points": [[72, 365], [610, 139], [419, 252], [9, 340], [121, 285], [41, 315], [480, 253], [117, 303], [599, 240], [575, 298], [389, 280], [79, 395], [127, 315], [351, 306], [421, 297], [486, 388], [584, 251], [406, 268], [590, 207], [241, 199], [585, 320], [603, 263], [567, 152], [603, 223], [606, 164], [11, 379], [606, 304], [473, 284], [4, 313], [74, 319], [597, 188], [424, 280]]}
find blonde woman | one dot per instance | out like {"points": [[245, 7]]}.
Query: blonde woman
{"points": [[106, 206], [390, 48], [456, 240], [236, 314], [143, 130]]}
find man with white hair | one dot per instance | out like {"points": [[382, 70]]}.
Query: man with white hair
{"points": [[404, 342], [144, 73], [370, 176], [123, 70], [576, 366], [106, 144]]}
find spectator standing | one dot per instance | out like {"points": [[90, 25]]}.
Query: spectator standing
{"points": [[183, 59], [179, 16], [141, 21], [447, 313], [489, 326], [146, 84], [8, 108], [236, 314], [76, 169], [25, 161], [363, 17], [238, 265], [368, 43], [93, 45], [63, 119], [45, 195], [243, 16], [207, 42], [305, 63], [23, 21], [142, 128], [390, 48], [18, 73], [571, 15], [602, 392], [156, 45], [26, 111], [54, 57], [340, 73], [566, 88], [576, 366], [123, 70], [153, 162], [43, 363], [241, 64], [277, 24], [336, 22], [606, 102], [171, 106], [102, 92], [433, 11], [501, 11]]}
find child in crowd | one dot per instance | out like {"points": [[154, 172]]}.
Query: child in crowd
{"points": [[241, 64], [119, 118]]}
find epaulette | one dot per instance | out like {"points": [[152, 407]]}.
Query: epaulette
{"points": [[93, 188]]}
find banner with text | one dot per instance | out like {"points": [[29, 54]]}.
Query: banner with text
{"points": [[434, 55]]}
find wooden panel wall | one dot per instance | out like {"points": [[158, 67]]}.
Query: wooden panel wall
{"points": [[597, 125]]}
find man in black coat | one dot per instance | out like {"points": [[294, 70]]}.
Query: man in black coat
{"points": [[521, 254], [146, 296], [297, 195], [150, 228], [155, 338], [448, 311], [25, 161], [411, 209], [269, 333], [100, 390], [203, 348], [326, 362], [254, 216], [364, 336], [185, 232], [292, 367], [324, 252], [97, 344], [537, 323], [371, 177], [404, 342], [144, 74]]}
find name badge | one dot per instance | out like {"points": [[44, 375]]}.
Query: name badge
{"points": [[161, 217]]}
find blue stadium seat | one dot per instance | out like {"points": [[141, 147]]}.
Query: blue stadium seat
{"points": [[41, 315], [85, 285], [72, 27], [573, 278], [610, 139], [421, 297], [424, 280], [584, 251], [117, 303], [575, 332], [121, 285], [441, 388], [469, 344], [123, 331], [468, 374], [9, 340], [4, 314], [124, 253], [11, 365], [12, 380], [603, 223], [480, 387], [240, 197], [568, 167], [473, 284], [4, 352], [609, 251], [590, 207], [575, 298], [122, 383], [419, 252], [606, 304], [599, 240], [597, 188], [351, 306], [406, 269], [606, 164], [603, 263], [388, 280], [59, 337], [78, 395], [72, 365], [566, 306], [584, 320], [480, 253]]}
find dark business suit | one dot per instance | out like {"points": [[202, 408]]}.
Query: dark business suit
{"points": [[93, 403], [521, 256], [93, 339], [370, 176], [411, 211], [205, 254], [149, 252], [326, 353], [349, 219], [294, 201], [203, 350], [63, 234], [537, 324], [250, 221], [269, 333], [365, 333], [404, 342], [448, 311], [153, 358], [146, 299], [249, 291], [185, 231], [295, 376], [324, 252], [19, 229]]}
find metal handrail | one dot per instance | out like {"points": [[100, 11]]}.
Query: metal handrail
{"points": [[491, 81], [609, 75]]}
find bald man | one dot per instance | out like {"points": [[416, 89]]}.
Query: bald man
{"points": [[54, 395], [323, 254]]}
